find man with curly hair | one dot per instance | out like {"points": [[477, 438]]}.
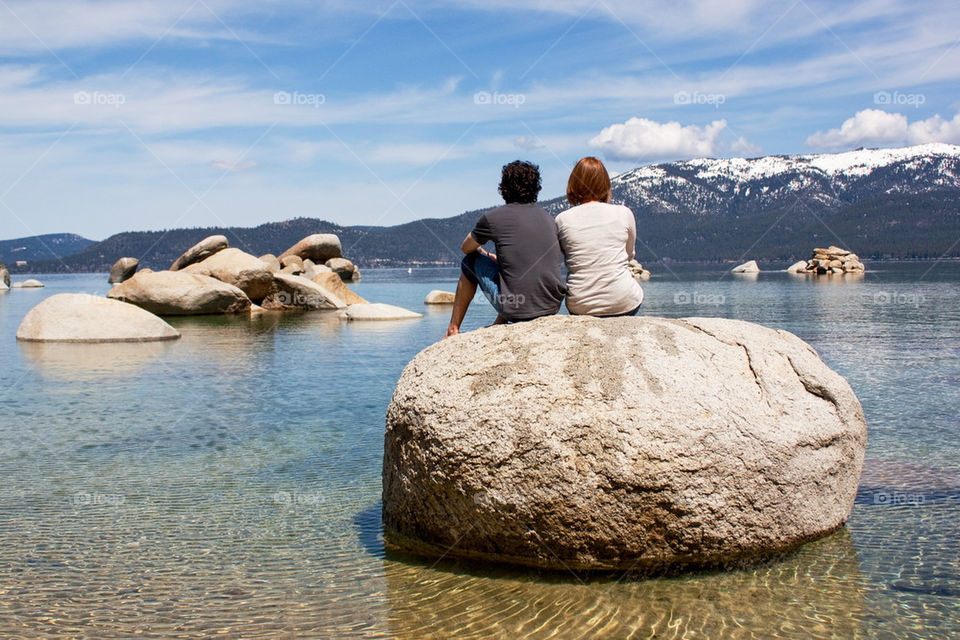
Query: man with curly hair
{"points": [[523, 279]]}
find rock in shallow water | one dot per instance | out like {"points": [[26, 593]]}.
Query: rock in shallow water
{"points": [[178, 293], [378, 311], [78, 317], [628, 443]]}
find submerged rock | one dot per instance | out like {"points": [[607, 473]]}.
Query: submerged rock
{"points": [[178, 293], [78, 317], [200, 251], [625, 443], [123, 269], [378, 311]]}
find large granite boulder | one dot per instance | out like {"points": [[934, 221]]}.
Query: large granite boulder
{"points": [[123, 269], [80, 317], [645, 443], [296, 293], [747, 267], [347, 271], [200, 251], [272, 262], [242, 270], [319, 247], [4, 277], [334, 283], [178, 293]]}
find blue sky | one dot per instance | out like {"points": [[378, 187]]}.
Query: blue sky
{"points": [[119, 116]]}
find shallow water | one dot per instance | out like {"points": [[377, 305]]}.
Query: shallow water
{"points": [[228, 483]]}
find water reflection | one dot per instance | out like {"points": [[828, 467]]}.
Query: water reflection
{"points": [[78, 361]]}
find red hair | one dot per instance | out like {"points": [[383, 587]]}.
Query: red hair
{"points": [[589, 182]]}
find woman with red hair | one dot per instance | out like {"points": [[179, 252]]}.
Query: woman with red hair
{"points": [[597, 239]]}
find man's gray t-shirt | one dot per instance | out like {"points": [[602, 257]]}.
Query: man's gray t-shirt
{"points": [[529, 258]]}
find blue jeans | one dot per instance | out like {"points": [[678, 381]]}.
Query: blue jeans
{"points": [[624, 315], [485, 273]]}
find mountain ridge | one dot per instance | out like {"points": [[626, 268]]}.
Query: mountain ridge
{"points": [[881, 203]]}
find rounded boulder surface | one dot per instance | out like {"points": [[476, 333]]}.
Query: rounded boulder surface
{"points": [[318, 247], [179, 293], [439, 297], [4, 277], [242, 270], [347, 271], [334, 283], [79, 317], [296, 293], [645, 444], [28, 284], [200, 251], [123, 269]]}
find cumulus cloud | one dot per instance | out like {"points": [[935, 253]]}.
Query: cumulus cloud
{"points": [[873, 127], [639, 139]]}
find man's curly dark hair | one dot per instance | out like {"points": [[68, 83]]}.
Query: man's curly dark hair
{"points": [[520, 182]]}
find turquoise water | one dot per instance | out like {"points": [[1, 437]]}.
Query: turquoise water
{"points": [[228, 483]]}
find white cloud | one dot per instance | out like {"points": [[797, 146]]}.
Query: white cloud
{"points": [[873, 127], [639, 139], [744, 147], [527, 143]]}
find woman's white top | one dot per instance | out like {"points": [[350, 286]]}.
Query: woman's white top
{"points": [[597, 241]]}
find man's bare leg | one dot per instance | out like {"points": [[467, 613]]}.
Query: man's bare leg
{"points": [[461, 302], [500, 320]]}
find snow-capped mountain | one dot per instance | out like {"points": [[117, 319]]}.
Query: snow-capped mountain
{"points": [[823, 181]]}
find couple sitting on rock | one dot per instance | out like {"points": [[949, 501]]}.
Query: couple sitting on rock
{"points": [[523, 279]]}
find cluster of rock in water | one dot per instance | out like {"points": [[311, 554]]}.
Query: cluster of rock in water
{"points": [[830, 261], [639, 273], [209, 278], [6, 284]]}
